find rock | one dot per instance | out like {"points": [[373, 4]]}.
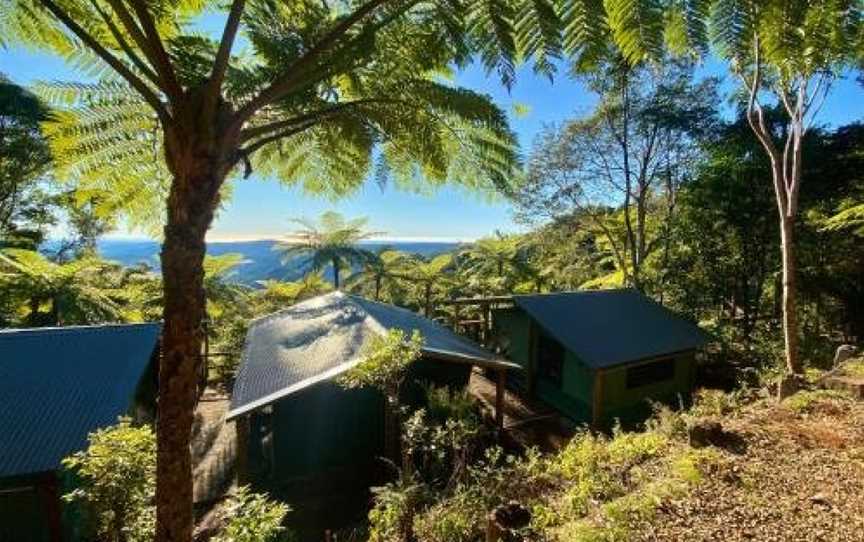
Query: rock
{"points": [[844, 352], [704, 433], [820, 499]]}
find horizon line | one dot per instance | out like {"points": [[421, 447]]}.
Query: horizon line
{"points": [[252, 238]]}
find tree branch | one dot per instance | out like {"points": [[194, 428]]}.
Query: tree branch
{"points": [[223, 55], [124, 45], [161, 62], [146, 93], [295, 71], [314, 116], [252, 147]]}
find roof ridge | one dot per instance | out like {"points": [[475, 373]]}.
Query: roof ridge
{"points": [[380, 328], [281, 312], [622, 289], [17, 331]]}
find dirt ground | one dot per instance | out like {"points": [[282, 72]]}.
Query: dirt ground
{"points": [[799, 476]]}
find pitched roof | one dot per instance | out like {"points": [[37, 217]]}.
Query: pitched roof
{"points": [[323, 337], [59, 384], [605, 328]]}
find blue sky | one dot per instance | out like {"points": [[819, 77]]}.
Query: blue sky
{"points": [[260, 208]]}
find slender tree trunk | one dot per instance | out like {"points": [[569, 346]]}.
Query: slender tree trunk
{"points": [[428, 295], [790, 314], [377, 287]]}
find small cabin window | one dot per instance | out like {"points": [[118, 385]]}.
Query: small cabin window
{"points": [[550, 359], [651, 373]]}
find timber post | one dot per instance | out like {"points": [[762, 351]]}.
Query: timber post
{"points": [[499, 398], [241, 425]]}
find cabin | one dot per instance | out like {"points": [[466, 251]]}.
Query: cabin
{"points": [[58, 385], [296, 427], [597, 356]]}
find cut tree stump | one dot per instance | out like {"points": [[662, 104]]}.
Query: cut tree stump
{"points": [[504, 520]]}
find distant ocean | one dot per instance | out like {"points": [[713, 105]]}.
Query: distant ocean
{"points": [[261, 261]]}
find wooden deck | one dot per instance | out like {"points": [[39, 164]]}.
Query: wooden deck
{"points": [[526, 422]]}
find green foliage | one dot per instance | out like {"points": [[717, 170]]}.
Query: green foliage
{"points": [[79, 291], [395, 505], [252, 517], [854, 367], [806, 401], [25, 207], [116, 481], [385, 361]]}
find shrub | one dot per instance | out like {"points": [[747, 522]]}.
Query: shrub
{"points": [[252, 517], [391, 518], [116, 477]]}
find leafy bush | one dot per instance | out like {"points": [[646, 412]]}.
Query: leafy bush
{"points": [[252, 517], [391, 518], [116, 475]]}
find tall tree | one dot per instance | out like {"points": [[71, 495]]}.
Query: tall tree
{"points": [[790, 51], [333, 242], [24, 158], [321, 84], [625, 159]]}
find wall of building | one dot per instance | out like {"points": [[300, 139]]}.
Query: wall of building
{"points": [[326, 427], [629, 405], [513, 328]]}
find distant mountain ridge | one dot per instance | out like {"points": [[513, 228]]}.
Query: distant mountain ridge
{"points": [[262, 262]]}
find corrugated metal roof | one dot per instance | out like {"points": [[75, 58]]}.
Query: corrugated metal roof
{"points": [[611, 327], [322, 337], [59, 384]]}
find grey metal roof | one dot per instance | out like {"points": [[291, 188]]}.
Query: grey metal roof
{"points": [[322, 337], [59, 384], [605, 328]]}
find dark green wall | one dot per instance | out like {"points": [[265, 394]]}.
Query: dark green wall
{"points": [[327, 428]]}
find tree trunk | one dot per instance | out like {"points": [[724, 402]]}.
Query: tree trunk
{"points": [[193, 198], [335, 273], [790, 315], [377, 287], [428, 295]]}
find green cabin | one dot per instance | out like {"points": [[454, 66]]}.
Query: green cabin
{"points": [[597, 356], [300, 432], [58, 385]]}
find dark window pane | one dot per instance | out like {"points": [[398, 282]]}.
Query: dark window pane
{"points": [[550, 359], [650, 373]]}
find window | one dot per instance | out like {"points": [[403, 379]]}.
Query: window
{"points": [[550, 359], [650, 373]]}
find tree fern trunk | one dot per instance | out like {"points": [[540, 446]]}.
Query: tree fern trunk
{"points": [[193, 197]]}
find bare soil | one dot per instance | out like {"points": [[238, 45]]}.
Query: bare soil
{"points": [[798, 476]]}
